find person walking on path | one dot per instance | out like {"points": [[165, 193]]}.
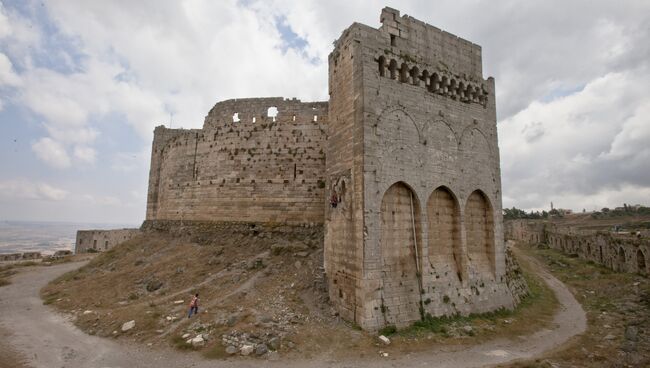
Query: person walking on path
{"points": [[194, 305]]}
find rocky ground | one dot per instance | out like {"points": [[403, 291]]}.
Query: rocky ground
{"points": [[262, 294], [43, 338], [618, 312]]}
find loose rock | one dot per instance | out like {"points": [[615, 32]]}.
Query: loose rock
{"points": [[247, 350], [231, 350], [261, 349], [128, 325]]}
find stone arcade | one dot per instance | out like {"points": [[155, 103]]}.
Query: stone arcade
{"points": [[406, 146]]}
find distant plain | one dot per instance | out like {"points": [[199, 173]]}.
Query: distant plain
{"points": [[44, 237]]}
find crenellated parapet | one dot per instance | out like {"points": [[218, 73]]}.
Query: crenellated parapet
{"points": [[264, 110]]}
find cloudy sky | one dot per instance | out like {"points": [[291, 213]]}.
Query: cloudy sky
{"points": [[83, 84]]}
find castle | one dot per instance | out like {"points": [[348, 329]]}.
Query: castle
{"points": [[400, 167]]}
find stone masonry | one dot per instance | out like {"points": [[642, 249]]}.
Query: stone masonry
{"points": [[401, 166], [619, 252], [102, 240], [412, 151], [244, 165]]}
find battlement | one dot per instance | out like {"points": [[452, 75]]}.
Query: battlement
{"points": [[430, 46], [266, 109]]}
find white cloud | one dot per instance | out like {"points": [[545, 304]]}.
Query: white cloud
{"points": [[5, 28], [52, 153], [589, 148], [569, 83], [85, 154], [131, 161], [26, 189], [7, 75]]}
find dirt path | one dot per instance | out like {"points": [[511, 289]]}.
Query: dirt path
{"points": [[47, 339]]}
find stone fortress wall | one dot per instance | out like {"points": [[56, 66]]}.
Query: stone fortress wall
{"points": [[413, 154], [619, 252], [244, 165], [407, 145], [102, 240]]}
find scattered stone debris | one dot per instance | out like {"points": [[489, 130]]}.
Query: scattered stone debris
{"points": [[246, 349], [153, 285], [128, 325], [384, 339]]}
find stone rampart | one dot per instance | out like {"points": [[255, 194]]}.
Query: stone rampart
{"points": [[619, 252], [255, 160], [102, 240]]}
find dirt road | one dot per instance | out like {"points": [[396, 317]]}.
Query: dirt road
{"points": [[45, 338]]}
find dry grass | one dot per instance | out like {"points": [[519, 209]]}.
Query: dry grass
{"points": [[612, 301], [238, 275]]}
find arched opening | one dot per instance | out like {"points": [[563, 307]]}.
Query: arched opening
{"points": [[235, 117], [400, 242], [415, 76], [461, 91], [621, 259], [404, 73], [425, 78], [443, 214], [435, 83], [452, 88], [272, 112], [479, 226], [392, 67], [640, 262], [382, 66], [444, 86]]}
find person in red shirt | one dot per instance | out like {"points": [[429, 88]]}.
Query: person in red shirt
{"points": [[194, 305]]}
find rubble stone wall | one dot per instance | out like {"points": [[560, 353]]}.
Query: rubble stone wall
{"points": [[619, 252], [102, 240]]}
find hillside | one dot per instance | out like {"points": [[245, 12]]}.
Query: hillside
{"points": [[258, 287]]}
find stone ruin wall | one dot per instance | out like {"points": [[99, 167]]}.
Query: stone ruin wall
{"points": [[622, 253], [20, 256], [102, 240], [412, 119], [258, 169]]}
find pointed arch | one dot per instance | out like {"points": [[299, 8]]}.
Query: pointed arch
{"points": [[479, 228], [444, 242], [400, 245]]}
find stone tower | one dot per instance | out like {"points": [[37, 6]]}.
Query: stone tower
{"points": [[412, 156]]}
